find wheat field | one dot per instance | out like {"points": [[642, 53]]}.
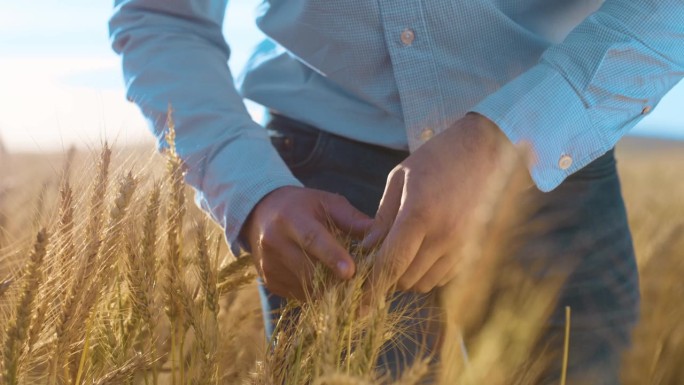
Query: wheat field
{"points": [[109, 274]]}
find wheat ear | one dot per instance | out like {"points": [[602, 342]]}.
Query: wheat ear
{"points": [[61, 258], [65, 230], [209, 312], [124, 373], [141, 274], [106, 262], [68, 319], [174, 262], [18, 329], [117, 214]]}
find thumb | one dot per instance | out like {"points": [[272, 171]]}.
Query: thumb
{"points": [[346, 217], [387, 210]]}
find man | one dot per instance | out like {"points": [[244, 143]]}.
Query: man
{"points": [[418, 93]]}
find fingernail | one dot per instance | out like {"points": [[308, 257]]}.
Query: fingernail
{"points": [[365, 243], [342, 267]]}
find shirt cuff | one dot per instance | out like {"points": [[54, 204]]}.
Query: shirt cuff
{"points": [[541, 111], [237, 177]]}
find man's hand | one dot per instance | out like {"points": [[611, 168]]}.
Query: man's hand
{"points": [[288, 231], [427, 202]]}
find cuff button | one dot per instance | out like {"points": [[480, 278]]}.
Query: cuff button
{"points": [[565, 162], [427, 134], [646, 110]]}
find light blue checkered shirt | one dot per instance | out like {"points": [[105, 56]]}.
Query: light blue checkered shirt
{"points": [[567, 78]]}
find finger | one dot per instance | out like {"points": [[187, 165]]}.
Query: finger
{"points": [[345, 216], [318, 243], [278, 251], [425, 259], [449, 276], [283, 287], [396, 254], [387, 210], [287, 269], [439, 272], [298, 263]]}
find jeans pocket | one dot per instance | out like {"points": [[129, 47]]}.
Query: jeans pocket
{"points": [[299, 148]]}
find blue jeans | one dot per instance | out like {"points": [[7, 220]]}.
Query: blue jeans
{"points": [[586, 222]]}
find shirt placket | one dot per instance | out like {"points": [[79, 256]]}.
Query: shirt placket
{"points": [[407, 37]]}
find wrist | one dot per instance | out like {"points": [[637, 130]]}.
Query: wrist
{"points": [[489, 130], [249, 230], [488, 140]]}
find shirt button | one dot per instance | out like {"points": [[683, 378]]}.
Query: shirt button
{"points": [[407, 36], [426, 134], [646, 110], [565, 162]]}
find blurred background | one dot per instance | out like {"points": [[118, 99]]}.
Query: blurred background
{"points": [[61, 84]]}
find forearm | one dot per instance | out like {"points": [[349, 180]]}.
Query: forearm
{"points": [[591, 89], [173, 53]]}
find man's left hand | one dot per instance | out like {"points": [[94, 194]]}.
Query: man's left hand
{"points": [[428, 200]]}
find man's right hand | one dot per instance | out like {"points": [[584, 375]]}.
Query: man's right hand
{"points": [[289, 230]]}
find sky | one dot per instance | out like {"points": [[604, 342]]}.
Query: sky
{"points": [[61, 84]]}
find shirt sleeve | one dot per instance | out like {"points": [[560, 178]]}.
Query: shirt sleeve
{"points": [[585, 93], [174, 53]]}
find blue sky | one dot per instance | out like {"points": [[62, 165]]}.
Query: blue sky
{"points": [[61, 84]]}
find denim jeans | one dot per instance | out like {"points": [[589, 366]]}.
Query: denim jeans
{"points": [[602, 289]]}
